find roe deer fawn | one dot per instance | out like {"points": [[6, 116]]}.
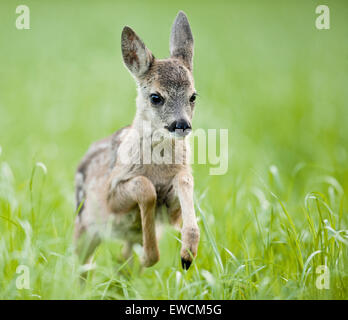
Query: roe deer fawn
{"points": [[117, 189]]}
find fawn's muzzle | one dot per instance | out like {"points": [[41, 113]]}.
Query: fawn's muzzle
{"points": [[180, 127]]}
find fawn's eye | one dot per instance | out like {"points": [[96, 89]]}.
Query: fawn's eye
{"points": [[156, 99], [193, 97]]}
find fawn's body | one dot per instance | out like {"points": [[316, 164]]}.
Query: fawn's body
{"points": [[119, 191]]}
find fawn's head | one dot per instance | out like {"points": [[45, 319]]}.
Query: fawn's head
{"points": [[166, 94]]}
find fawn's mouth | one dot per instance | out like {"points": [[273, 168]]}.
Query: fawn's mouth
{"points": [[179, 133], [180, 128]]}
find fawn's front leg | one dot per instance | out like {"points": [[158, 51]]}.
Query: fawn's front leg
{"points": [[139, 191], [183, 187]]}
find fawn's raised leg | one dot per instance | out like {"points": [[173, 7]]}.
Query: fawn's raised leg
{"points": [[182, 200], [139, 191]]}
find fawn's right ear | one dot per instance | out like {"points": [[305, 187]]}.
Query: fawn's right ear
{"points": [[136, 56]]}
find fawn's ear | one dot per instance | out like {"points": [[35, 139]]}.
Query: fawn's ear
{"points": [[181, 40], [136, 56]]}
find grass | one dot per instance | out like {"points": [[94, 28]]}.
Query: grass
{"points": [[262, 70]]}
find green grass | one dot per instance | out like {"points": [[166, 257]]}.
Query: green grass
{"points": [[262, 70]]}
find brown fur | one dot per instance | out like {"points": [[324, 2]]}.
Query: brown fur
{"points": [[126, 199]]}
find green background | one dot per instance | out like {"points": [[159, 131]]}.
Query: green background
{"points": [[262, 70]]}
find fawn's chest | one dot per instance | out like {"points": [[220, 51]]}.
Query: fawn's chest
{"points": [[162, 177]]}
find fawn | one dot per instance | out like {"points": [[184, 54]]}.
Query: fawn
{"points": [[117, 193]]}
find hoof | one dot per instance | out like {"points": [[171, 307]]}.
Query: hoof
{"points": [[147, 263], [185, 263], [149, 260]]}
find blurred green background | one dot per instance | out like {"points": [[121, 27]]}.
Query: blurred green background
{"points": [[262, 70]]}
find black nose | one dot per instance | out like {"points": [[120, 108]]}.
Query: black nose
{"points": [[180, 125]]}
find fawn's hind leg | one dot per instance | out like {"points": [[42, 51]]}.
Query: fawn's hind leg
{"points": [[85, 245], [85, 242], [127, 250], [138, 191]]}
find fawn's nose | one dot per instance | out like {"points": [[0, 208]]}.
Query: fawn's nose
{"points": [[180, 127]]}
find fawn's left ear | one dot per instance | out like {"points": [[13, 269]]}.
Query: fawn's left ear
{"points": [[181, 40], [136, 56]]}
